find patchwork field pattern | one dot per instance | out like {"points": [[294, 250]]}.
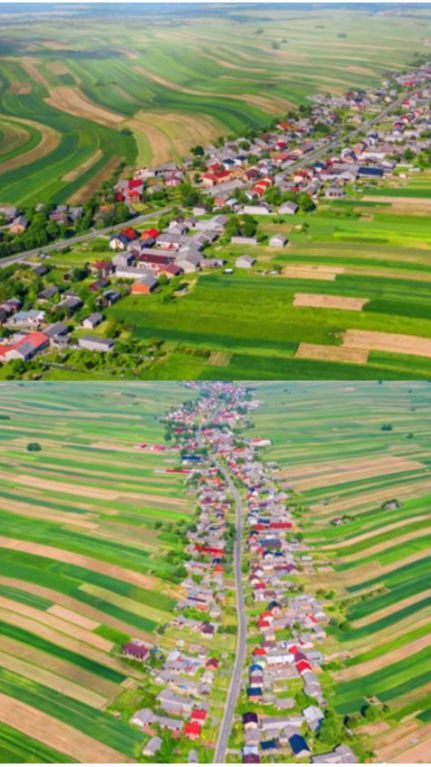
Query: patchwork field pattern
{"points": [[82, 563], [348, 297], [145, 89], [360, 454]]}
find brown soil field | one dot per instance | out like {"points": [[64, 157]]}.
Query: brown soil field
{"points": [[322, 301], [122, 574], [91, 187], [359, 574], [362, 669], [49, 141], [332, 353], [45, 660], [80, 169], [56, 734], [71, 100], [387, 342], [48, 678]]}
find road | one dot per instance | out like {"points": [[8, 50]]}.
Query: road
{"points": [[61, 244], [241, 636]]}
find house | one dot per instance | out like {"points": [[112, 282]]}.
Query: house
{"points": [[198, 715], [313, 716], [48, 293], [71, 302], [18, 225], [245, 262], [299, 746], [101, 268], [144, 285], [136, 649], [24, 349], [340, 755], [56, 329], [121, 260], [278, 241], [192, 730], [335, 193], [153, 746], [370, 172], [30, 319], [96, 344], [260, 209], [92, 321], [288, 208]]}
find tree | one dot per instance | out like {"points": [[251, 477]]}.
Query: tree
{"points": [[331, 728], [33, 447]]}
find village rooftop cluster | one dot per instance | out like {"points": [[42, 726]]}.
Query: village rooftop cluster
{"points": [[276, 173], [274, 669]]}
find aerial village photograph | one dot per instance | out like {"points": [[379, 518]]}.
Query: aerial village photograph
{"points": [[215, 572], [215, 382]]}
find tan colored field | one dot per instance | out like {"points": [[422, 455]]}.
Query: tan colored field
{"points": [[69, 603], [379, 547], [61, 667], [375, 467], [368, 667], [378, 614], [52, 680], [387, 342], [219, 359], [312, 272], [410, 745], [55, 733], [30, 64], [71, 100], [73, 617], [348, 465], [49, 141], [331, 353], [67, 640], [129, 576], [14, 136], [21, 89], [80, 169], [91, 187], [368, 499], [172, 135], [58, 624], [319, 300]]}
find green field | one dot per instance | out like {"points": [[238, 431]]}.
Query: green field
{"points": [[89, 555], [372, 568], [375, 254], [110, 85]]}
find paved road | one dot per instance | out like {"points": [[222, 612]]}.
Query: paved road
{"points": [[241, 637], [61, 244]]}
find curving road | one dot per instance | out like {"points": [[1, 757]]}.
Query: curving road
{"points": [[235, 683]]}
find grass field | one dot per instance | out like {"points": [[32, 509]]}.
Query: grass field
{"points": [[330, 447], [145, 88], [82, 563], [291, 315]]}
